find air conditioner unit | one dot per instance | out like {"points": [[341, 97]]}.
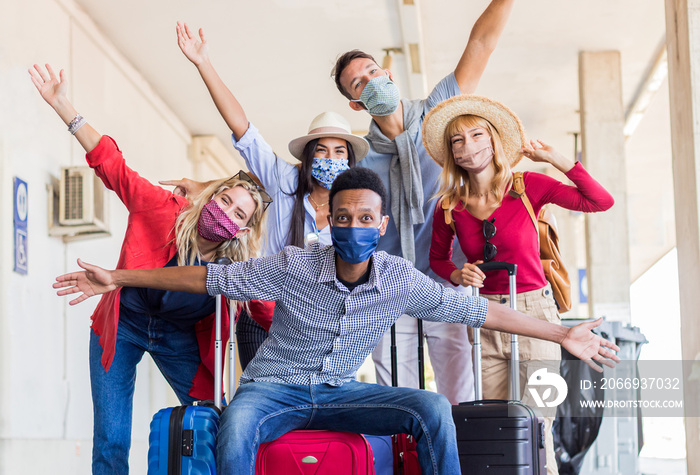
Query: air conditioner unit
{"points": [[77, 205]]}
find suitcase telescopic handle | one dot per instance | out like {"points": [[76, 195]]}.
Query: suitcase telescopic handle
{"points": [[512, 270], [498, 265], [218, 370]]}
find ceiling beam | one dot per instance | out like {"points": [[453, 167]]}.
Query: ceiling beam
{"points": [[654, 76], [413, 47]]}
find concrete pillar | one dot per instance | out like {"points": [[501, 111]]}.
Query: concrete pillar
{"points": [[571, 247], [683, 44], [607, 241]]}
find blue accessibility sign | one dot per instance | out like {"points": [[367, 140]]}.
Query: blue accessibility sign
{"points": [[21, 214], [21, 251]]}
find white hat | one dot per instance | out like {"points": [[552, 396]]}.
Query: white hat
{"points": [[330, 124], [504, 120]]}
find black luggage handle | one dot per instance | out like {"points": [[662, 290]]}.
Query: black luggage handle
{"points": [[498, 265], [421, 358], [512, 270], [484, 402]]}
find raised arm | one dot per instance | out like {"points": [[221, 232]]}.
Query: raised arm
{"points": [[541, 152], [197, 51], [482, 42], [53, 89], [136, 192], [588, 195]]}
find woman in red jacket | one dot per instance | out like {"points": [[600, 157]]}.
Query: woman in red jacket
{"points": [[176, 328], [477, 140]]}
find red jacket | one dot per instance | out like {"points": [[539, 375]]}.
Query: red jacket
{"points": [[149, 242]]}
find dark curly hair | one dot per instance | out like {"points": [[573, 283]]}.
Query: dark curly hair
{"points": [[358, 178]]}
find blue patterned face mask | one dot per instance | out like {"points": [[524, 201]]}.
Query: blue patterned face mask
{"points": [[324, 170], [380, 96]]}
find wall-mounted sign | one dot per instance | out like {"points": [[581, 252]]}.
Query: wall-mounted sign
{"points": [[582, 286], [21, 207]]}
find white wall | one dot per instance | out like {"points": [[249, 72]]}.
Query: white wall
{"points": [[45, 404]]}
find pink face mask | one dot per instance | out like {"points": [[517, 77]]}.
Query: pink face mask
{"points": [[215, 225], [474, 156]]}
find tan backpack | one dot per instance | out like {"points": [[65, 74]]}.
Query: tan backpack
{"points": [[546, 227]]}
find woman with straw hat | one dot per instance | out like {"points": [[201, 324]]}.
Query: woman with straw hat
{"points": [[299, 213], [477, 141]]}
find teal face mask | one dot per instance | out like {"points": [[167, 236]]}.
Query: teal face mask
{"points": [[380, 96]]}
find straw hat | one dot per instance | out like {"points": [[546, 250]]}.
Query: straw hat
{"points": [[330, 124], [501, 117]]}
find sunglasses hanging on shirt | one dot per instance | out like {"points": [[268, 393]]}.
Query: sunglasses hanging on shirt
{"points": [[489, 230]]}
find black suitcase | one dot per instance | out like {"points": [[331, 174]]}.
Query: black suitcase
{"points": [[497, 437]]}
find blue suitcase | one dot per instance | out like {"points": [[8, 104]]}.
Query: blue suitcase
{"points": [[183, 438], [383, 453]]}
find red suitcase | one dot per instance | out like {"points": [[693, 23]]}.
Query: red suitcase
{"points": [[315, 452]]}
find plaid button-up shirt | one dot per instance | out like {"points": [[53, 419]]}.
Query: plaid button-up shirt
{"points": [[321, 332]]}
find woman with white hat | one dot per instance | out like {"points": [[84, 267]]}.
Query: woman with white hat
{"points": [[299, 212], [477, 141], [300, 207]]}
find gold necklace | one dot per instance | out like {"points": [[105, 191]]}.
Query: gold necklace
{"points": [[316, 205]]}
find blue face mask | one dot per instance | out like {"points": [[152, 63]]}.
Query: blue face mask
{"points": [[380, 96], [326, 169], [354, 245]]}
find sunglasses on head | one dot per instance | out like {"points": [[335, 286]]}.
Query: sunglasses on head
{"points": [[489, 230], [264, 195]]}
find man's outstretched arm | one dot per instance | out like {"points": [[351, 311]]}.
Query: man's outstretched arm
{"points": [[482, 42], [580, 341], [95, 280]]}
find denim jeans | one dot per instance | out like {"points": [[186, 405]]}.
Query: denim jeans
{"points": [[176, 354], [261, 412]]}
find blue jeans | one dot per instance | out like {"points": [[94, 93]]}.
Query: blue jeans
{"points": [[176, 354], [261, 412]]}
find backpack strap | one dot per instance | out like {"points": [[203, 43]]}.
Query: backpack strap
{"points": [[518, 187], [518, 191], [448, 216]]}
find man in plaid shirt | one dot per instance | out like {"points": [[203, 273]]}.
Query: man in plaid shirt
{"points": [[334, 303]]}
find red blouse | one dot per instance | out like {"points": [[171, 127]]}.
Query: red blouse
{"points": [[149, 242], [516, 237]]}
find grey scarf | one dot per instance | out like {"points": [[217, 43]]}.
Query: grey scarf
{"points": [[405, 180]]}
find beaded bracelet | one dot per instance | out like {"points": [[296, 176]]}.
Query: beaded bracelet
{"points": [[77, 122]]}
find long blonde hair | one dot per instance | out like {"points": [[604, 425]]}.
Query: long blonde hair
{"points": [[454, 180], [241, 247]]}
